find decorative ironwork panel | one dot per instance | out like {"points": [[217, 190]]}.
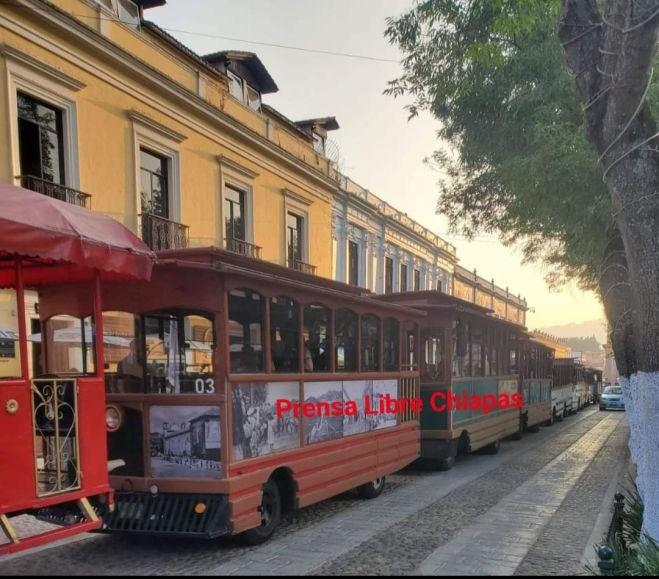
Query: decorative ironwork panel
{"points": [[57, 450], [160, 233], [244, 248], [56, 191]]}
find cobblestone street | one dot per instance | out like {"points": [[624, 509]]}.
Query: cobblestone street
{"points": [[529, 510]]}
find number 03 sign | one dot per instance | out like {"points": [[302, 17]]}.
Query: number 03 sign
{"points": [[204, 386]]}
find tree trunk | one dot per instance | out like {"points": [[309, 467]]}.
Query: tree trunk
{"points": [[611, 57]]}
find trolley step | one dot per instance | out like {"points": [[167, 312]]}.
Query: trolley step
{"points": [[88, 521]]}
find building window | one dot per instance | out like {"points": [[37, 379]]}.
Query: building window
{"points": [[241, 91], [154, 192], [40, 140], [235, 86], [294, 238], [234, 216], [403, 278], [417, 280], [253, 98], [319, 144], [439, 285], [388, 275], [353, 263]]}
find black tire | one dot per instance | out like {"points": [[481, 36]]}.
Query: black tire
{"points": [[270, 516], [372, 489], [560, 417], [492, 448], [534, 429], [443, 464], [550, 422]]}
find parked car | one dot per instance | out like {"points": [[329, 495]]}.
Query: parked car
{"points": [[612, 399]]}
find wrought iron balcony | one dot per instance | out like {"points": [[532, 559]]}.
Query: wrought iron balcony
{"points": [[56, 191], [243, 248], [302, 266], [160, 233]]}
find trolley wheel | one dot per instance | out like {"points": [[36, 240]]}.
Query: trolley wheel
{"points": [[373, 489], [492, 448], [270, 516]]}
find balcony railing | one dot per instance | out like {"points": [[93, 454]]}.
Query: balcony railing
{"points": [[160, 233], [302, 266], [244, 248], [56, 191]]}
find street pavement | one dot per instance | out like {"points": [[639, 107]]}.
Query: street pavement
{"points": [[530, 510]]}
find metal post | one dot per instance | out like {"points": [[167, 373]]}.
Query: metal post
{"points": [[20, 313]]}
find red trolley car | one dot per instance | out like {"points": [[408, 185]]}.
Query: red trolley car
{"points": [[219, 351], [53, 459]]}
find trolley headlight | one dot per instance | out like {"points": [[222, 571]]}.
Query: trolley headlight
{"points": [[114, 418]]}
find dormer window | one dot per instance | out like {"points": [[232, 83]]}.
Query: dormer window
{"points": [[319, 144], [235, 86], [126, 11], [241, 91]]}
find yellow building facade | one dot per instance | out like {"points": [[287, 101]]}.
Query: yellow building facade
{"points": [[112, 90]]}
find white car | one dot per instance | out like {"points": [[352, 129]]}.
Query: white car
{"points": [[612, 399]]}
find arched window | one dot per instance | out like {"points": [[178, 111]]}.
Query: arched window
{"points": [[370, 343], [284, 335], [246, 331], [316, 338], [345, 349], [391, 338]]}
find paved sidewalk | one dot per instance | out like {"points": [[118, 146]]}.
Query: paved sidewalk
{"points": [[499, 542]]}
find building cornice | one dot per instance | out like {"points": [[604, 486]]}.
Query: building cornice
{"points": [[236, 168], [159, 128], [45, 70]]}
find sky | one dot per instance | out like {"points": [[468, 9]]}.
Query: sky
{"points": [[378, 147]]}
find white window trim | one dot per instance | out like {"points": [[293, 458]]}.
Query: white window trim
{"points": [[298, 205], [27, 75], [150, 135], [238, 177]]}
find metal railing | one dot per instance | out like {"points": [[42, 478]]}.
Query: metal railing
{"points": [[298, 265], [243, 248], [56, 191], [160, 233]]}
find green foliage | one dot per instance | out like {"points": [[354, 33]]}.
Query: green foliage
{"points": [[589, 344], [493, 73], [634, 554]]}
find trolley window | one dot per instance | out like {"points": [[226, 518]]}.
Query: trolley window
{"points": [[346, 341], [285, 335], [316, 339], [391, 339], [70, 345], [370, 343], [246, 331]]}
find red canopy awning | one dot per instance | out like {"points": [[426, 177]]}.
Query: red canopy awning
{"points": [[60, 242]]}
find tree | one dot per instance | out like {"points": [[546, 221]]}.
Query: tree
{"points": [[493, 72]]}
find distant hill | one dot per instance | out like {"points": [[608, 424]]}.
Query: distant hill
{"points": [[595, 328]]}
